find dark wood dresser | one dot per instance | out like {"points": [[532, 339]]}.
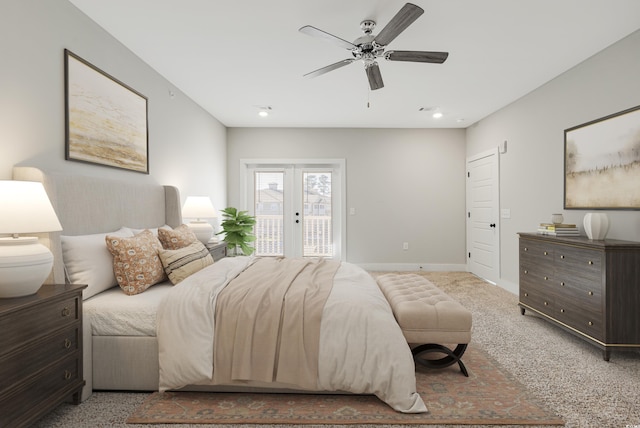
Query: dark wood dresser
{"points": [[40, 353], [589, 288]]}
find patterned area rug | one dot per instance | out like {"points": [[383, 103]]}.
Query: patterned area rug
{"points": [[489, 396]]}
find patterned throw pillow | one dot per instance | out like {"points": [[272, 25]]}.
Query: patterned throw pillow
{"points": [[179, 264], [174, 239], [136, 263]]}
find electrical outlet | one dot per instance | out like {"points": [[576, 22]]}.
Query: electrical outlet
{"points": [[405, 246]]}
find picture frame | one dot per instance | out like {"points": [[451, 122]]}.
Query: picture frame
{"points": [[602, 163], [106, 120]]}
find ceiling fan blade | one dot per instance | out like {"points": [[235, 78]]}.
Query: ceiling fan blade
{"points": [[405, 17], [374, 76], [315, 32], [417, 56], [329, 68]]}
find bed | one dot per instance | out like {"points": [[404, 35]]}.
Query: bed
{"points": [[162, 338]]}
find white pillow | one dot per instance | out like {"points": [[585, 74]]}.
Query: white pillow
{"points": [[88, 261]]}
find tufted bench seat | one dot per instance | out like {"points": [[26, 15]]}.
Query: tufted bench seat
{"points": [[428, 317]]}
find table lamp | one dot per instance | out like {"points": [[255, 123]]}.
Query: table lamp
{"points": [[199, 208], [24, 262]]}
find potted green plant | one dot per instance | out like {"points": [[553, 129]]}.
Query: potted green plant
{"points": [[238, 229]]}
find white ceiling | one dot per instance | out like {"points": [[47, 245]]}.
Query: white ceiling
{"points": [[233, 56]]}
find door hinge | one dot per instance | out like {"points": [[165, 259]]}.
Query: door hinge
{"points": [[469, 255]]}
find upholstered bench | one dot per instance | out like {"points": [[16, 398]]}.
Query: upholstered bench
{"points": [[429, 318]]}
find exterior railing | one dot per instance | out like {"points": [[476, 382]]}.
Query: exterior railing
{"points": [[317, 236]]}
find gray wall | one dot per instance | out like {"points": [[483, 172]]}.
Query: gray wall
{"points": [[406, 185], [532, 170], [187, 146]]}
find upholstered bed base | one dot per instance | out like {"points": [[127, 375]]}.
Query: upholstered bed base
{"points": [[89, 205]]}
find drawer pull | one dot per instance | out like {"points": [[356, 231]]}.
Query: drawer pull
{"points": [[562, 283], [590, 323], [562, 310], [590, 293], [546, 278], [526, 294], [526, 249], [526, 271], [562, 256], [67, 343], [546, 304], [545, 253], [67, 375], [590, 262], [66, 312]]}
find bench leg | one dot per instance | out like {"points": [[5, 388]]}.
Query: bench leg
{"points": [[450, 358]]}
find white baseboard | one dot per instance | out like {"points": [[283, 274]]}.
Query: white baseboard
{"points": [[390, 267]]}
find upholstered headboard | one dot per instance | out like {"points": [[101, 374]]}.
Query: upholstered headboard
{"points": [[88, 205]]}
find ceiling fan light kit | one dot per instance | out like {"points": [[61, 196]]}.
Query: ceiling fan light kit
{"points": [[368, 48]]}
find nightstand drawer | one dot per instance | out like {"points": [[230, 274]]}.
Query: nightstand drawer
{"points": [[53, 385], [218, 251], [31, 359], [37, 321]]}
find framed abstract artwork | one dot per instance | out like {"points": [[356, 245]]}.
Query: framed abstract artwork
{"points": [[106, 120], [602, 163]]}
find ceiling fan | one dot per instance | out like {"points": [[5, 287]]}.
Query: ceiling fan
{"points": [[369, 47]]}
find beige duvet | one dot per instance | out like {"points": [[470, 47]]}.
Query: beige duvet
{"points": [[361, 348]]}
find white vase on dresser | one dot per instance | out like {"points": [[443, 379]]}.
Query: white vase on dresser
{"points": [[596, 225]]}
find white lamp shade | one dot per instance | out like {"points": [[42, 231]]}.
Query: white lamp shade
{"points": [[26, 208], [24, 262], [198, 207]]}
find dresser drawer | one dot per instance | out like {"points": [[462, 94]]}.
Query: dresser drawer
{"points": [[51, 386], [538, 299], [37, 321], [581, 318], [33, 358], [537, 252], [582, 292]]}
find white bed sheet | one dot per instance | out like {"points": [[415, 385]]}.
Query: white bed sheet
{"points": [[113, 313]]}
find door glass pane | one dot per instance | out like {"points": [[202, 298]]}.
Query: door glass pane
{"points": [[269, 213], [317, 236]]}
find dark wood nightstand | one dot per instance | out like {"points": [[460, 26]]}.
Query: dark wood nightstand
{"points": [[40, 353], [217, 250]]}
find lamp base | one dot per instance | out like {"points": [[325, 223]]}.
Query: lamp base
{"points": [[202, 229], [24, 266]]}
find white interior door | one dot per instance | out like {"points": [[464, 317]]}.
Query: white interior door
{"points": [[298, 208], [483, 225]]}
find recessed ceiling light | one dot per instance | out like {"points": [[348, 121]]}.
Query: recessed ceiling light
{"points": [[437, 115], [264, 111]]}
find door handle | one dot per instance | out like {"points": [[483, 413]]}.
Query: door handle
{"points": [[492, 225]]}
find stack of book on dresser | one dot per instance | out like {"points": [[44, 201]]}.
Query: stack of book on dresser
{"points": [[558, 229]]}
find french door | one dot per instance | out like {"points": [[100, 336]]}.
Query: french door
{"points": [[297, 206]]}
